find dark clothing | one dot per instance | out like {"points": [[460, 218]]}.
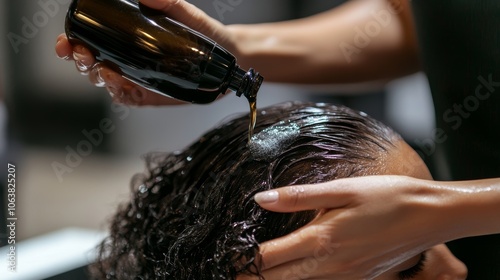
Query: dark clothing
{"points": [[460, 50]]}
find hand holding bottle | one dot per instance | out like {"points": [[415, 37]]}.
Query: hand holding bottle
{"points": [[121, 89]]}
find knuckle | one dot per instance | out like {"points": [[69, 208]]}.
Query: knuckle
{"points": [[294, 195]]}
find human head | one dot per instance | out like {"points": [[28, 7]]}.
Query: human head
{"points": [[192, 215]]}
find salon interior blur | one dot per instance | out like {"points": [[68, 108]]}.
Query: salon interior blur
{"points": [[75, 152]]}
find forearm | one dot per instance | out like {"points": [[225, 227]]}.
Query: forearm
{"points": [[468, 208], [329, 47]]}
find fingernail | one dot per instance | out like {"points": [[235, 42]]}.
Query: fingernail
{"points": [[96, 72], [78, 52], [100, 81], [266, 197], [80, 59], [80, 65]]}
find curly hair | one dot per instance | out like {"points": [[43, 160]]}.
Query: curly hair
{"points": [[192, 215]]}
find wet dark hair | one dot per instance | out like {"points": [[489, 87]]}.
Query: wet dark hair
{"points": [[192, 214]]}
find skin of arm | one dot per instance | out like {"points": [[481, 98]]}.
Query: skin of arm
{"points": [[474, 205], [326, 48], [297, 51], [421, 214]]}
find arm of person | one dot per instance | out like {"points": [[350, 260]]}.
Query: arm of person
{"points": [[360, 41], [370, 224]]}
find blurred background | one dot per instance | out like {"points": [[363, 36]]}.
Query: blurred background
{"points": [[68, 186]]}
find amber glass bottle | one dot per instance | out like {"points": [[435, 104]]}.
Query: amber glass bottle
{"points": [[157, 52]]}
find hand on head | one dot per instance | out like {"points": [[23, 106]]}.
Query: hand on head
{"points": [[365, 231], [201, 216], [371, 227]]}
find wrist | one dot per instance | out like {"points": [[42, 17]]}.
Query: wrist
{"points": [[466, 208], [244, 43], [478, 205], [430, 210]]}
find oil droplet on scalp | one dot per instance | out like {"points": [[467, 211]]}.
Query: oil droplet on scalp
{"points": [[272, 141]]}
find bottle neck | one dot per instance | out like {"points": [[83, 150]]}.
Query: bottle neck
{"points": [[246, 83]]}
